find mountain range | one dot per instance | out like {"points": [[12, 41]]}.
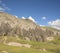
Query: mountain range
{"points": [[25, 29]]}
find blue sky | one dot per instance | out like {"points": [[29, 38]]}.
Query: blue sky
{"points": [[44, 12]]}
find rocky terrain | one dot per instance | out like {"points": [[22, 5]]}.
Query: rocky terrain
{"points": [[19, 35], [25, 29]]}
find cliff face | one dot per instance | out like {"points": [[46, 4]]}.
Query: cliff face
{"points": [[24, 28]]}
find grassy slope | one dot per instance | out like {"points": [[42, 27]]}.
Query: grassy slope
{"points": [[13, 49], [50, 28], [37, 47]]}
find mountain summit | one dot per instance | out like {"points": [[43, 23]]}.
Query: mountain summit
{"points": [[24, 28]]}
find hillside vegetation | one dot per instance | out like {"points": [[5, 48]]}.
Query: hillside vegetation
{"points": [[24, 36], [36, 47]]}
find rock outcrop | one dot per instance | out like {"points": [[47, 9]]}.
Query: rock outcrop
{"points": [[12, 26]]}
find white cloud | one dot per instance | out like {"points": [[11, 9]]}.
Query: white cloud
{"points": [[43, 18], [23, 18], [31, 19], [42, 25], [16, 16], [56, 27], [3, 7], [55, 24]]}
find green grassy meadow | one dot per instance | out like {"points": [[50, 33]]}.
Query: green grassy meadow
{"points": [[37, 47]]}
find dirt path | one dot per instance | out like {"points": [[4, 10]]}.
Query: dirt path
{"points": [[18, 44], [4, 51]]}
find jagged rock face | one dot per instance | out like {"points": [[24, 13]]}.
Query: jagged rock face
{"points": [[12, 26], [6, 18], [26, 24], [51, 31]]}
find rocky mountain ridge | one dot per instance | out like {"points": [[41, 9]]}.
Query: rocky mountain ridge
{"points": [[24, 28]]}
